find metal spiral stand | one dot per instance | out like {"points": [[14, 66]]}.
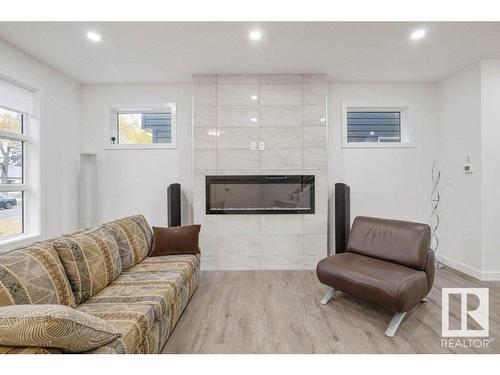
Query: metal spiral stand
{"points": [[435, 198]]}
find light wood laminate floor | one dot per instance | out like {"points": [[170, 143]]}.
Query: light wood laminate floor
{"points": [[279, 312]]}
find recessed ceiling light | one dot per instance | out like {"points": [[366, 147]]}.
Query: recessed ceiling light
{"points": [[93, 36], [322, 119], [418, 34], [254, 119], [255, 35], [254, 97]]}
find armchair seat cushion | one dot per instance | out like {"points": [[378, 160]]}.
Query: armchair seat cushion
{"points": [[390, 285]]}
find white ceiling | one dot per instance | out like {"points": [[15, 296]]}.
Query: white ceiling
{"points": [[133, 52]]}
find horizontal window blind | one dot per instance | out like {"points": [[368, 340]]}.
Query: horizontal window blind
{"points": [[373, 126], [15, 97]]}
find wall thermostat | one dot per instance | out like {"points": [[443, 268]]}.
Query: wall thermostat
{"points": [[468, 166]]}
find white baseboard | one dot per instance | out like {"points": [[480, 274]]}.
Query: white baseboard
{"points": [[471, 271], [490, 276]]}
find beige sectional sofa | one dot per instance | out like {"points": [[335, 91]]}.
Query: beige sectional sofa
{"points": [[105, 272]]}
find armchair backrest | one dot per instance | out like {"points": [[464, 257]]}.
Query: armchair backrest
{"points": [[396, 241]]}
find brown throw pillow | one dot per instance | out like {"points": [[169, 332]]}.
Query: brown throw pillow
{"points": [[176, 240]]}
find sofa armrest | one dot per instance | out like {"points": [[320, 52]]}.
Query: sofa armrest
{"points": [[429, 269]]}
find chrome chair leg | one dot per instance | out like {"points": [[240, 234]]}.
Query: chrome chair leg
{"points": [[394, 324], [328, 296]]}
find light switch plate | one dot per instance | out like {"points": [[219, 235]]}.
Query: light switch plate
{"points": [[261, 146]]}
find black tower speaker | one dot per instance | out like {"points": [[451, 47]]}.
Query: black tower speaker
{"points": [[342, 217], [174, 205]]}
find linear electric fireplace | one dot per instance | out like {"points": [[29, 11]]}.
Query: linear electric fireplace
{"points": [[259, 195]]}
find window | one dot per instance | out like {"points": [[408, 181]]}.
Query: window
{"points": [[19, 166], [375, 127], [151, 128], [12, 158]]}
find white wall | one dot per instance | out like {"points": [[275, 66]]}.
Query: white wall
{"points": [[136, 181], [59, 109], [451, 120], [460, 119], [490, 168], [385, 182]]}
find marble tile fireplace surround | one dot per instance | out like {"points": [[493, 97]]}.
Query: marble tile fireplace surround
{"points": [[260, 125]]}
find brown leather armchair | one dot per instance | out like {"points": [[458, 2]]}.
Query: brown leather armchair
{"points": [[387, 262]]}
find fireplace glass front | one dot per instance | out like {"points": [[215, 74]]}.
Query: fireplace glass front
{"points": [[260, 194]]}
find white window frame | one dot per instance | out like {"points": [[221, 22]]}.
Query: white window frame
{"points": [[113, 128], [407, 134], [30, 137]]}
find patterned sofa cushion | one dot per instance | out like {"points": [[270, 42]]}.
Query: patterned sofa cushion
{"points": [[157, 290], [91, 260], [186, 265], [34, 275], [28, 350], [134, 322], [53, 326], [152, 343], [134, 238]]}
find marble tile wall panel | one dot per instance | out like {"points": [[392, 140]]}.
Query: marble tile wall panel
{"points": [[236, 94], [288, 113], [237, 116], [237, 159], [314, 115], [205, 137], [314, 158], [283, 137], [314, 93], [204, 159], [290, 94], [282, 224], [205, 116], [234, 138], [238, 224], [281, 78], [314, 137], [282, 158], [204, 95], [280, 115]]}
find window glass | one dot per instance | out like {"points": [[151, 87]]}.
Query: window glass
{"points": [[373, 126], [144, 128], [11, 213], [11, 161], [11, 121]]}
